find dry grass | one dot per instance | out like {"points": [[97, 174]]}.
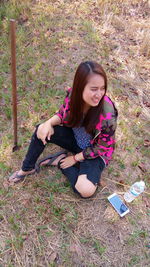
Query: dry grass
{"points": [[42, 222]]}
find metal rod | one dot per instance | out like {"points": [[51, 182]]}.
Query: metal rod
{"points": [[13, 76]]}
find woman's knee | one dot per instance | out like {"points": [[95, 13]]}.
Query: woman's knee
{"points": [[85, 187]]}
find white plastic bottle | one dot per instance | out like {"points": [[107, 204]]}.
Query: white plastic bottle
{"points": [[135, 190]]}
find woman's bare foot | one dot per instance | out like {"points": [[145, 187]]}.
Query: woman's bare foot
{"points": [[20, 172], [19, 176]]}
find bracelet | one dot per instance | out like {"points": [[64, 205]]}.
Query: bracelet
{"points": [[75, 158]]}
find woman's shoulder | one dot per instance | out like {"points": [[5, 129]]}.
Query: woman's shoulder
{"points": [[109, 106], [107, 100], [68, 93], [68, 90]]}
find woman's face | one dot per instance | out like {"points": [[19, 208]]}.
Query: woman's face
{"points": [[93, 91]]}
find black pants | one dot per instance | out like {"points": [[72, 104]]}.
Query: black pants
{"points": [[64, 137]]}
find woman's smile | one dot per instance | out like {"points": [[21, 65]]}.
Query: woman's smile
{"points": [[94, 90], [96, 100]]}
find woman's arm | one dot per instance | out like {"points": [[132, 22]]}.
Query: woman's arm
{"points": [[55, 120], [79, 157], [61, 113], [71, 160], [45, 130], [104, 143]]}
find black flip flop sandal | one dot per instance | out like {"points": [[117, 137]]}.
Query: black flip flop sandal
{"points": [[51, 158]]}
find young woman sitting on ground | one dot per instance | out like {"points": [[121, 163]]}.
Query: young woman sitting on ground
{"points": [[84, 125]]}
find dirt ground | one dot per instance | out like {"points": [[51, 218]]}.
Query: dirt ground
{"points": [[42, 222]]}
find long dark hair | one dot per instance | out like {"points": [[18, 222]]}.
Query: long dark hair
{"points": [[84, 70]]}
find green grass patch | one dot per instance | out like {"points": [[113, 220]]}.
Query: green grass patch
{"points": [[42, 215], [100, 249]]}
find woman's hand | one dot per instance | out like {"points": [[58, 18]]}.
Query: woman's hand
{"points": [[67, 162], [45, 130], [71, 160]]}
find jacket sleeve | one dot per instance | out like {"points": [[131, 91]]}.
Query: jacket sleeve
{"points": [[103, 145], [64, 107]]}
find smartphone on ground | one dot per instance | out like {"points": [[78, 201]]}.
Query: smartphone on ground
{"points": [[118, 204]]}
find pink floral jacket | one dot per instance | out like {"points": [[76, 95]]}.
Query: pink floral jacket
{"points": [[103, 141]]}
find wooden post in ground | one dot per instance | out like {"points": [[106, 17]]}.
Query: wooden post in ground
{"points": [[13, 77]]}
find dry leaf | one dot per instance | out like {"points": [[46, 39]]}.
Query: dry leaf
{"points": [[6, 184], [147, 104], [53, 257], [23, 18], [138, 114], [142, 167], [146, 143], [122, 183], [147, 202], [76, 248]]}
